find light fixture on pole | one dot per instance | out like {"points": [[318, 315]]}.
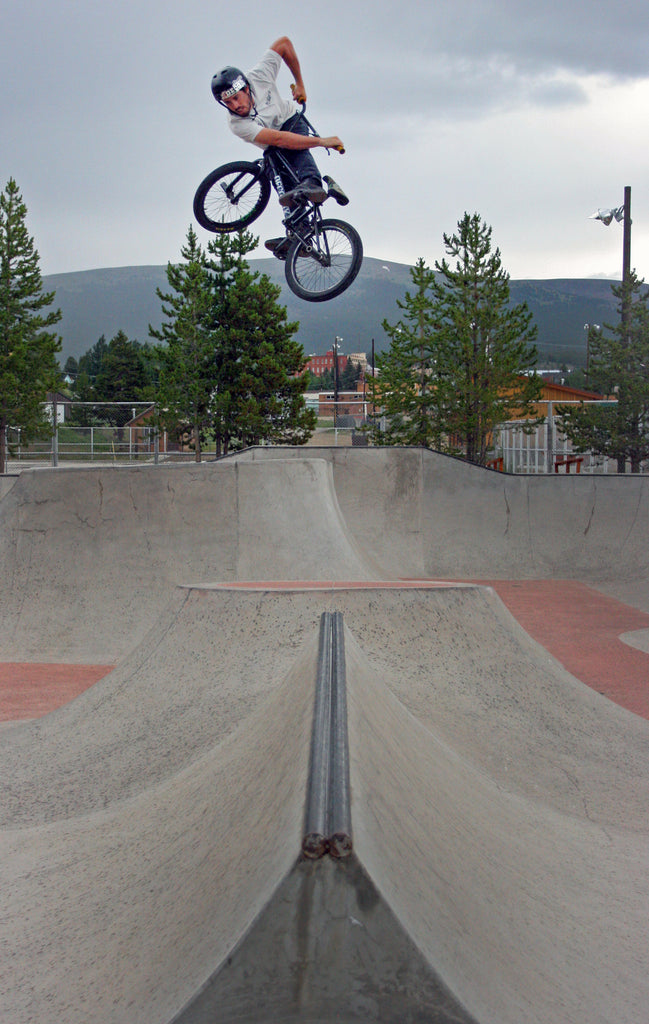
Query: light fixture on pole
{"points": [[607, 216]]}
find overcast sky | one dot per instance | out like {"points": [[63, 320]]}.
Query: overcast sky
{"points": [[532, 113]]}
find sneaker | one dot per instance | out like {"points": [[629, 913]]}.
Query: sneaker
{"points": [[278, 246], [311, 192], [335, 191]]}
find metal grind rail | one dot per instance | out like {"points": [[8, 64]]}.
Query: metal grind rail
{"points": [[327, 821]]}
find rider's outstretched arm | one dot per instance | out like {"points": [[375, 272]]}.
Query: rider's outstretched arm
{"points": [[292, 140], [284, 47]]}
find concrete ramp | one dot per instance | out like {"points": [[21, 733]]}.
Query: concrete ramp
{"points": [[498, 817], [529, 914], [210, 661], [90, 558], [152, 832], [345, 957], [414, 512], [120, 913]]}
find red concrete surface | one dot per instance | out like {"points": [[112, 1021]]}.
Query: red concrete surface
{"points": [[31, 690], [581, 627]]}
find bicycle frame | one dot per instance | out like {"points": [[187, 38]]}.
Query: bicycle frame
{"points": [[304, 220]]}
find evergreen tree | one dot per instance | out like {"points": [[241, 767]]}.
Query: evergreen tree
{"points": [[487, 345], [122, 377], [225, 260], [83, 392], [266, 392], [326, 381], [618, 366], [71, 368], [186, 384], [28, 365], [460, 356], [91, 361], [407, 388], [230, 365], [121, 370], [260, 383], [350, 375]]}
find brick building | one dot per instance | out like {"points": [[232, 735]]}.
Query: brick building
{"points": [[317, 365]]}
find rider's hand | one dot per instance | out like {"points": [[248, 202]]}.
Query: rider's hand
{"points": [[299, 92], [333, 142]]}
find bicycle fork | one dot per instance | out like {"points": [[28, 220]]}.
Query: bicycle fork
{"points": [[303, 224]]}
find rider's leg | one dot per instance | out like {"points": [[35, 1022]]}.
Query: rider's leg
{"points": [[301, 160]]}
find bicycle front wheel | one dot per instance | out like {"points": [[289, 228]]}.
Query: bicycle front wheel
{"points": [[325, 264], [231, 197]]}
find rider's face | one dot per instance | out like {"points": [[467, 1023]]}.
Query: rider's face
{"points": [[240, 103]]}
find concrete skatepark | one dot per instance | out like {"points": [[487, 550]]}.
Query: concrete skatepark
{"points": [[151, 828]]}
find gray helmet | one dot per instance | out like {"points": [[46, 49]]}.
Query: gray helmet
{"points": [[227, 82]]}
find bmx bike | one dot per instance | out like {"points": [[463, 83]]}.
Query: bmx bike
{"points": [[322, 255]]}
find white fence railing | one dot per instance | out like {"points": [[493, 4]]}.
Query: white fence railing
{"points": [[523, 452], [89, 444], [546, 449]]}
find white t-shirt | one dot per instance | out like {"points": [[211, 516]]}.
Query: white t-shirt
{"points": [[269, 109]]}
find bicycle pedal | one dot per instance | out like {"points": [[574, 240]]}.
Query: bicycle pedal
{"points": [[335, 190]]}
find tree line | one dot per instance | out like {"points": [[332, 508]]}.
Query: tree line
{"points": [[225, 364]]}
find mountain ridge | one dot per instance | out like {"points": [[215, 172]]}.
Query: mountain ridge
{"points": [[103, 301]]}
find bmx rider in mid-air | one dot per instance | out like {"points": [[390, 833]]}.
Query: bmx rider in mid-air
{"points": [[258, 114]]}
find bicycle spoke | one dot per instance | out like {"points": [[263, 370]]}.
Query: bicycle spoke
{"points": [[232, 199], [327, 265]]}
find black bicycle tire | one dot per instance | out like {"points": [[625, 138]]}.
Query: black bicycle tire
{"points": [[202, 196], [344, 282]]}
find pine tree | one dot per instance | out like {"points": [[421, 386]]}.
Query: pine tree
{"points": [[230, 366], [28, 365], [460, 355], [186, 384], [486, 346], [406, 388], [91, 361], [122, 377], [350, 376], [618, 366], [225, 260], [267, 392], [260, 395]]}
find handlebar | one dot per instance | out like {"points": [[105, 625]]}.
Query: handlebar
{"points": [[339, 149]]}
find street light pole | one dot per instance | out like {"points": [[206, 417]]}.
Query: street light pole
{"points": [[626, 255], [336, 344], [622, 213], [588, 328], [626, 261]]}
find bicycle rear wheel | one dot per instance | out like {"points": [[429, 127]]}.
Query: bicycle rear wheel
{"points": [[231, 197], [325, 264]]}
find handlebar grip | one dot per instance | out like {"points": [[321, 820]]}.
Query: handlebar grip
{"points": [[339, 149]]}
